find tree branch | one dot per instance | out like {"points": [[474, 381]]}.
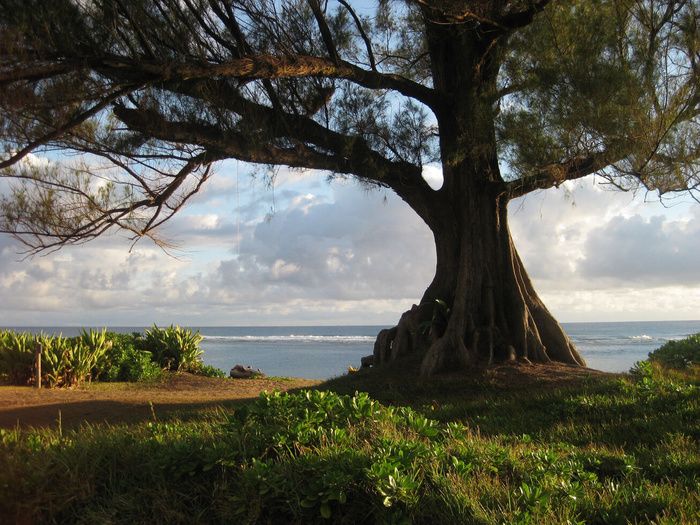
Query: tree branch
{"points": [[524, 18], [267, 67], [38, 71], [331, 151], [63, 128], [556, 174], [81, 218], [365, 38], [506, 23], [325, 30]]}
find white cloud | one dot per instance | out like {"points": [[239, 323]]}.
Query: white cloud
{"points": [[203, 222], [335, 254], [644, 252], [598, 255], [282, 270]]}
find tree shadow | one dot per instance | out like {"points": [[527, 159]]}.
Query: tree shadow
{"points": [[74, 414]]}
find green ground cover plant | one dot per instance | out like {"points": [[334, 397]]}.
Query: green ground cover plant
{"points": [[612, 450]]}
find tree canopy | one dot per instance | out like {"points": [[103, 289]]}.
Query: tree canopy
{"points": [[506, 97]]}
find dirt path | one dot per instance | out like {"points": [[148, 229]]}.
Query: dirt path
{"points": [[128, 402]]}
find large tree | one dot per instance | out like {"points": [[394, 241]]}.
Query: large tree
{"points": [[507, 97]]}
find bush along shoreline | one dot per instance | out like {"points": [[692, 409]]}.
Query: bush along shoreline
{"points": [[611, 450], [101, 356]]}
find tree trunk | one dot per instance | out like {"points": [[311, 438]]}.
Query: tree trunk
{"points": [[488, 308], [494, 312]]}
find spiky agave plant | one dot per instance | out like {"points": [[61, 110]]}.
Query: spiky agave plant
{"points": [[175, 348], [16, 357]]}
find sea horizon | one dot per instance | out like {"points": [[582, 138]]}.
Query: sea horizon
{"points": [[288, 325], [326, 351]]}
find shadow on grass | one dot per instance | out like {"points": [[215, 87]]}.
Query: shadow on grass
{"points": [[73, 415], [135, 408]]}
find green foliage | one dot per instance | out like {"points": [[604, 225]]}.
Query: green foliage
{"points": [[605, 76], [16, 356], [438, 323], [678, 354], [572, 87], [623, 450], [64, 362], [617, 450], [57, 361], [102, 355], [86, 354], [174, 348], [209, 371], [125, 361]]}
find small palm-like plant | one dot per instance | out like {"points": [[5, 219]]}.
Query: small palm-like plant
{"points": [[95, 345], [87, 353], [175, 348], [64, 362], [17, 356], [56, 358]]}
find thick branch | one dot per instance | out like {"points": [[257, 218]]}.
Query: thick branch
{"points": [[269, 67], [446, 15], [556, 174], [38, 71], [333, 152], [524, 18]]}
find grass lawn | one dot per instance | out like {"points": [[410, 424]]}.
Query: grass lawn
{"points": [[511, 444]]}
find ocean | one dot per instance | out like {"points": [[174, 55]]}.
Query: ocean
{"points": [[323, 352]]}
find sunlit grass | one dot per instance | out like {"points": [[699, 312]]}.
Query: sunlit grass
{"points": [[623, 449]]}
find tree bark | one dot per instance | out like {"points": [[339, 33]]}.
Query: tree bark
{"points": [[494, 312]]}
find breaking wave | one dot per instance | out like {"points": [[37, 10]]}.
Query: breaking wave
{"points": [[293, 338]]}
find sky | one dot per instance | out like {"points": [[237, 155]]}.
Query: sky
{"points": [[311, 252]]}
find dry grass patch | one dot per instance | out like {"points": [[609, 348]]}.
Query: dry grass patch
{"points": [[129, 402]]}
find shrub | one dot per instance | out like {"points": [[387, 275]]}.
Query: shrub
{"points": [[86, 355], [62, 363], [17, 356], [209, 371], [628, 453], [678, 354], [102, 355], [67, 361], [174, 348], [125, 361], [56, 360]]}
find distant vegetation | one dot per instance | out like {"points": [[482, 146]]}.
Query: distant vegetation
{"points": [[101, 356], [678, 354], [610, 450]]}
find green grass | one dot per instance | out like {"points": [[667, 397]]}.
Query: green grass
{"points": [[623, 449]]}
